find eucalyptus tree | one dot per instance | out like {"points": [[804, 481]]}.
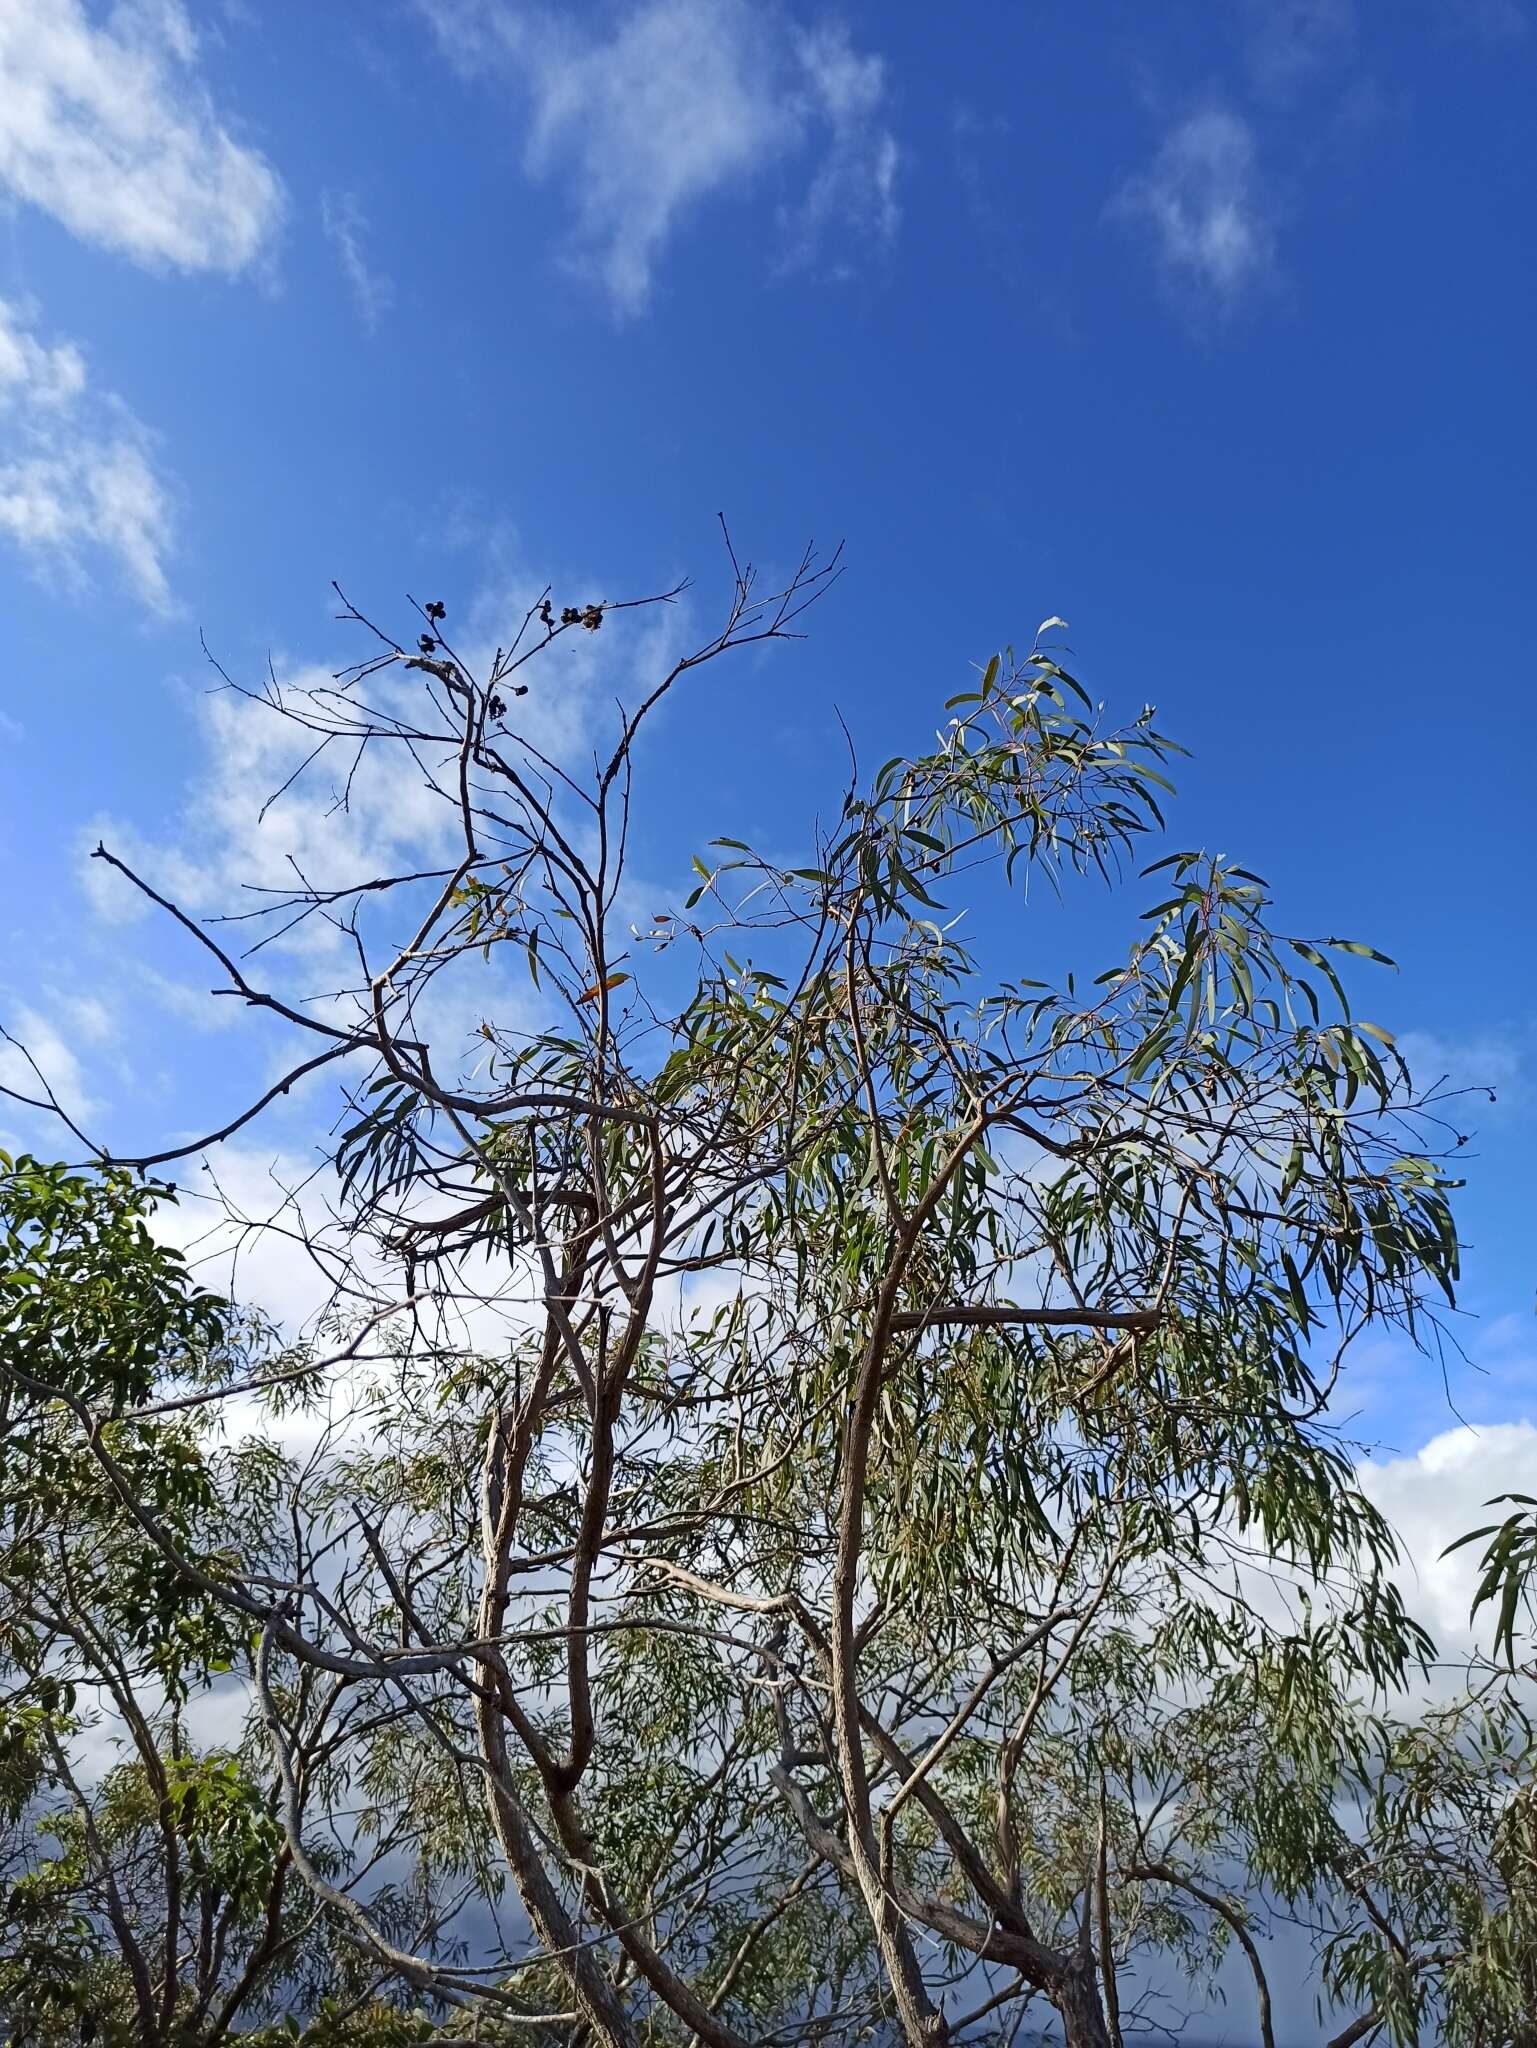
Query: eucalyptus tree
{"points": [[889, 1568]]}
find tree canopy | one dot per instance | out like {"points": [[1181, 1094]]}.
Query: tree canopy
{"points": [[830, 1522]]}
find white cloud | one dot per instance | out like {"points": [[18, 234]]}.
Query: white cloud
{"points": [[257, 1224], [80, 474], [256, 818], [1435, 1496], [1430, 1498], [1202, 202], [682, 102], [41, 1045], [269, 1229], [108, 128], [342, 218], [232, 838]]}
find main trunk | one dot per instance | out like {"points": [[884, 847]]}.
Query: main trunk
{"points": [[600, 2005], [1079, 2006]]}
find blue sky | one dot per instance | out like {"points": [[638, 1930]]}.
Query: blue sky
{"points": [[1208, 327]]}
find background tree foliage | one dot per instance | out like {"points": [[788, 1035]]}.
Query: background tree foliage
{"points": [[829, 1525]]}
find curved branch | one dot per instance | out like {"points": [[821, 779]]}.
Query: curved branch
{"points": [[1165, 1873]]}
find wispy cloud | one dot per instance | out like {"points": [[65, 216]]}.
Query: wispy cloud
{"points": [[1289, 42], [682, 102], [1486, 21], [342, 218], [79, 477], [110, 129], [1493, 1066], [854, 186], [87, 1015], [1203, 206]]}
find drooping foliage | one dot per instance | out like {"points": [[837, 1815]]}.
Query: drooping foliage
{"points": [[830, 1523]]}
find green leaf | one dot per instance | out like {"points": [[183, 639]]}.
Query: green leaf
{"points": [[1187, 962], [1365, 952]]}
